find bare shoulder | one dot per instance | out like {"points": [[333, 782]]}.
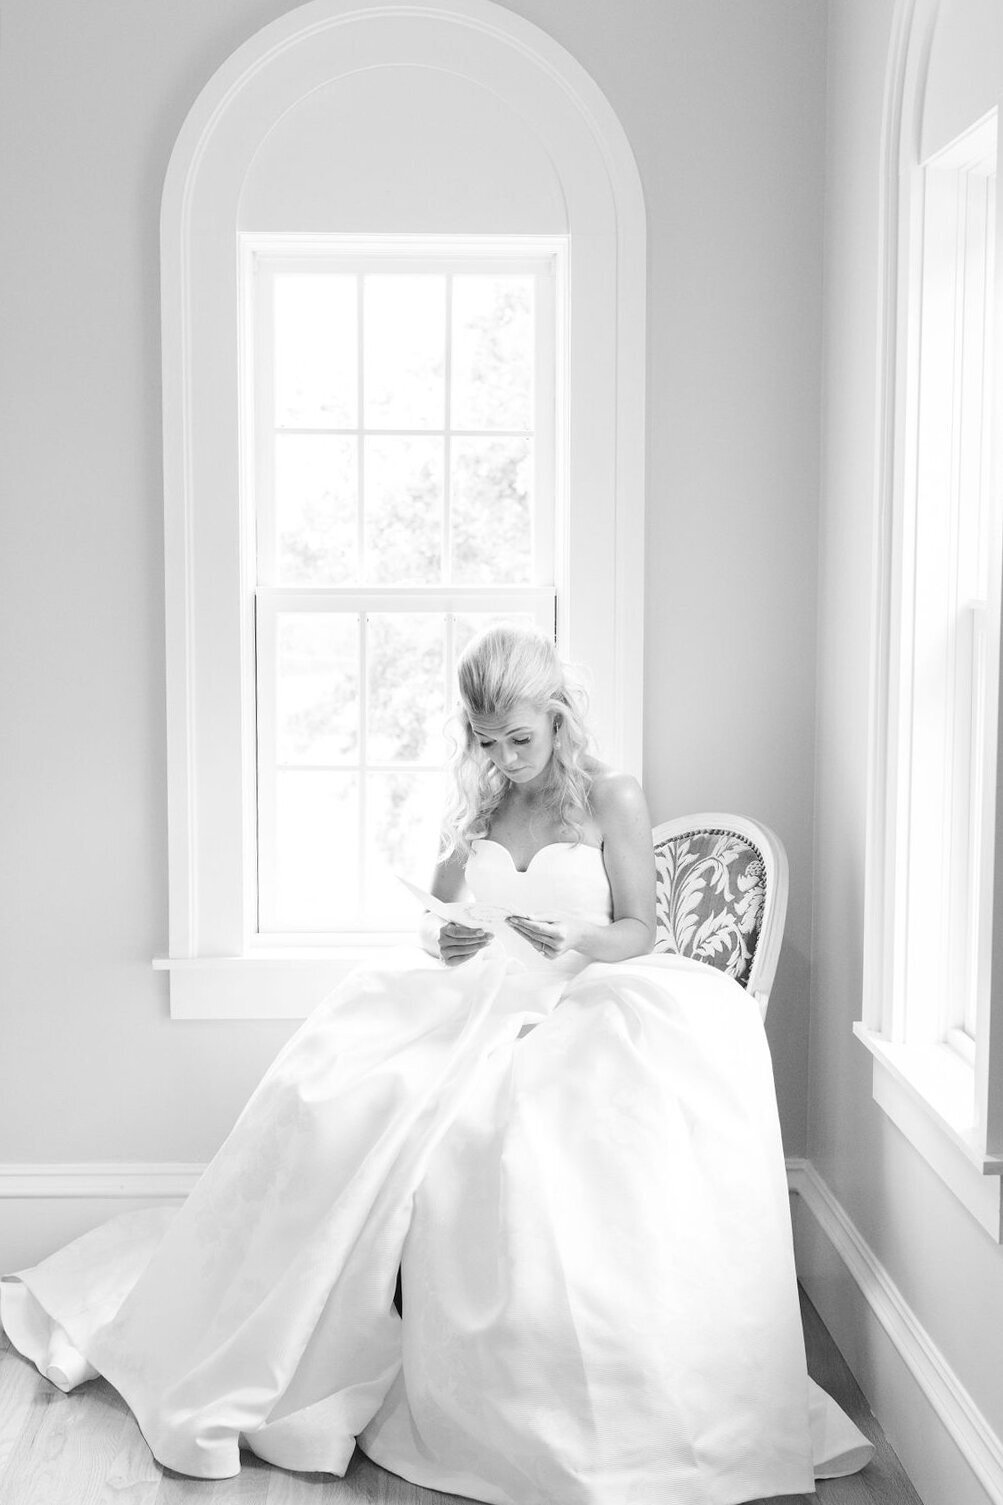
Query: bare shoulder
{"points": [[617, 801]]}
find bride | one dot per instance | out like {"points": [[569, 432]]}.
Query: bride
{"points": [[571, 1154]]}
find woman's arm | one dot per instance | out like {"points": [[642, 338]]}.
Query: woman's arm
{"points": [[451, 942], [621, 813]]}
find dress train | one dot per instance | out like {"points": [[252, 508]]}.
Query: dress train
{"points": [[579, 1170]]}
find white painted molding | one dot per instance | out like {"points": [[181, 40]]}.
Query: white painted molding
{"points": [[905, 60], [914, 1089], [99, 1179], [208, 539], [968, 1442], [134, 1178], [128, 1178], [273, 985], [908, 56]]}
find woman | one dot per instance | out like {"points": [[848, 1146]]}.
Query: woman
{"points": [[575, 1160], [524, 773]]}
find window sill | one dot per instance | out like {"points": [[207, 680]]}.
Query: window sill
{"points": [[273, 984], [928, 1092]]}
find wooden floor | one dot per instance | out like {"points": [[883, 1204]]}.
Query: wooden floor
{"points": [[85, 1449]]}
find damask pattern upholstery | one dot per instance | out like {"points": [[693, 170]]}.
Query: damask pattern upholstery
{"points": [[710, 890]]}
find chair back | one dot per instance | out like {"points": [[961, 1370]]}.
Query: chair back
{"points": [[721, 896]]}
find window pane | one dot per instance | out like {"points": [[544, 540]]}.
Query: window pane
{"points": [[492, 533], [316, 351], [404, 815], [404, 357], [316, 851], [405, 660], [318, 687], [492, 367], [470, 623], [404, 507], [316, 490]]}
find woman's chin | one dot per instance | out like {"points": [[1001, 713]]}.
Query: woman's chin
{"points": [[531, 779]]}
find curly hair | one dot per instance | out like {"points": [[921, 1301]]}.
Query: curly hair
{"points": [[502, 668]]}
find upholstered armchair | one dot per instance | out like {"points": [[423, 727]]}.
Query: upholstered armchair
{"points": [[721, 896]]}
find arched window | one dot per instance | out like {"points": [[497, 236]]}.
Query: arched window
{"points": [[930, 1017], [403, 336]]}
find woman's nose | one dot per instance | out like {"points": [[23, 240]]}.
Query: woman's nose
{"points": [[509, 756]]}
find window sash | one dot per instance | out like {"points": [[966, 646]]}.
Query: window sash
{"points": [[262, 262], [951, 635], [264, 258]]}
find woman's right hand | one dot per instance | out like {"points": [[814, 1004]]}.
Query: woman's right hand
{"points": [[458, 943]]}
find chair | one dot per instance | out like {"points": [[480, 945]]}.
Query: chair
{"points": [[721, 896]]}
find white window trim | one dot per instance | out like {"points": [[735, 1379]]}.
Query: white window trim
{"points": [[208, 539], [927, 1089]]}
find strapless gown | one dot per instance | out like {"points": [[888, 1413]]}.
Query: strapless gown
{"points": [[578, 1168]]}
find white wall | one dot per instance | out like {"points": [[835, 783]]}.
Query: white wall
{"points": [[945, 1266], [723, 104]]}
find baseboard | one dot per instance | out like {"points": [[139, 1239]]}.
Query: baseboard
{"points": [[945, 1444], [96, 1178], [43, 1207]]}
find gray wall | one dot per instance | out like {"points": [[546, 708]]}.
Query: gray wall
{"points": [[724, 105]]}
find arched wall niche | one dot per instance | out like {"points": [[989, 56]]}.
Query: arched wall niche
{"points": [[905, 84], [451, 118], [964, 75], [935, 87], [379, 150]]}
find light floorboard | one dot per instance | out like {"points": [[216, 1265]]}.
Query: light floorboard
{"points": [[17, 1395], [86, 1449], [135, 1476]]}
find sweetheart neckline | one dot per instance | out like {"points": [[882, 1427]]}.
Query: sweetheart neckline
{"points": [[522, 871]]}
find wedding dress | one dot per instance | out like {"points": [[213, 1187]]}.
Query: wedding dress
{"points": [[578, 1167]]}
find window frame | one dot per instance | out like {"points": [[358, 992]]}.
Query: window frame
{"points": [[209, 541], [944, 1093], [263, 256]]}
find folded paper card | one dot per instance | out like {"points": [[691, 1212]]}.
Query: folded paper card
{"points": [[489, 917]]}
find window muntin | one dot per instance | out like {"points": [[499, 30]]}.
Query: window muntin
{"points": [[404, 464]]}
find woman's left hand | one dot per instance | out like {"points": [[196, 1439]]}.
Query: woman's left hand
{"points": [[550, 937]]}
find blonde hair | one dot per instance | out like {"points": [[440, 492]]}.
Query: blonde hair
{"points": [[502, 668]]}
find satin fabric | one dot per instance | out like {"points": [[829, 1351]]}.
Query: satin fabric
{"points": [[578, 1167]]}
